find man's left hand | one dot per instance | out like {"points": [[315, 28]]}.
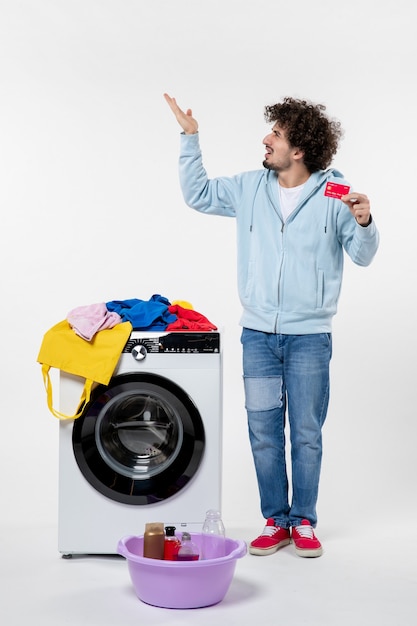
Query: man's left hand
{"points": [[359, 206]]}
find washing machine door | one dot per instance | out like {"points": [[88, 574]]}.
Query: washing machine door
{"points": [[140, 440]]}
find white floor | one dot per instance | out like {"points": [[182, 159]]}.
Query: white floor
{"points": [[366, 577]]}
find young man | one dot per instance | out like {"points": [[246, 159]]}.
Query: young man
{"points": [[294, 219]]}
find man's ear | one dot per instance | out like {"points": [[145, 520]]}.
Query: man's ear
{"points": [[298, 154]]}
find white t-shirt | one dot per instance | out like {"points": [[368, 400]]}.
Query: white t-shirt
{"points": [[288, 199]]}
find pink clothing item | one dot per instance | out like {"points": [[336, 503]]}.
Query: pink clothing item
{"points": [[87, 320]]}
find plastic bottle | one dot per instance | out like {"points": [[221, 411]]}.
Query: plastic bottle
{"points": [[172, 544], [214, 536], [153, 540], [189, 550]]}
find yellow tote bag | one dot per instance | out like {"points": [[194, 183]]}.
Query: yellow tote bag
{"points": [[93, 360]]}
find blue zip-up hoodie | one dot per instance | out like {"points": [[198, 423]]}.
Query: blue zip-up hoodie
{"points": [[289, 274]]}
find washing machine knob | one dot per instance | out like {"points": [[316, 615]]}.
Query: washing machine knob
{"points": [[139, 352]]}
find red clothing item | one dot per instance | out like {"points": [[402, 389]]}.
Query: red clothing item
{"points": [[188, 319]]}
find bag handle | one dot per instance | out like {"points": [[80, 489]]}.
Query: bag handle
{"points": [[85, 396]]}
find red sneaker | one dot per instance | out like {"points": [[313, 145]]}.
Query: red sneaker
{"points": [[270, 540], [305, 541]]}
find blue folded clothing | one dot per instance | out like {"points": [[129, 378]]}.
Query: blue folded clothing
{"points": [[152, 314]]}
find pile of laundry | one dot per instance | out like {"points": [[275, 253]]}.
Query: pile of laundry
{"points": [[155, 314]]}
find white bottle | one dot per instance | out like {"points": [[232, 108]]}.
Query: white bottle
{"points": [[213, 536]]}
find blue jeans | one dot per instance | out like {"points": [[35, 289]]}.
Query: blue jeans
{"points": [[286, 374]]}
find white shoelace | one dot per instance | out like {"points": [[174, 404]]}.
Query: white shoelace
{"points": [[268, 531], [305, 531]]}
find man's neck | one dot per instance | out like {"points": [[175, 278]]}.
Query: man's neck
{"points": [[293, 177]]}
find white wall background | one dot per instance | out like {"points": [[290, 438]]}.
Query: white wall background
{"points": [[91, 211]]}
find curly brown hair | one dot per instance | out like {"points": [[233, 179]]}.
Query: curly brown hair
{"points": [[309, 129]]}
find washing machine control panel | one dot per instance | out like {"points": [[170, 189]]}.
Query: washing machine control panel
{"points": [[173, 343]]}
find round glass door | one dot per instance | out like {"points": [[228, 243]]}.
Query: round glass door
{"points": [[140, 440]]}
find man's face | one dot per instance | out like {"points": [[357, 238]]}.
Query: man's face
{"points": [[279, 153]]}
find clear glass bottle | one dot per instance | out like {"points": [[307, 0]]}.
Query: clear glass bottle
{"points": [[213, 536], [188, 551], [172, 544]]}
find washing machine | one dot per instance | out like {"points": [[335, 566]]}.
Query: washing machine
{"points": [[147, 447]]}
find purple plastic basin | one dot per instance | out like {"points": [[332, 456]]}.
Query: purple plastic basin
{"points": [[180, 584]]}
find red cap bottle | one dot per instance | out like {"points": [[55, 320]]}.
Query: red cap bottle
{"points": [[172, 544]]}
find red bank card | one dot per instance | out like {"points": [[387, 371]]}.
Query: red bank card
{"points": [[334, 190]]}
